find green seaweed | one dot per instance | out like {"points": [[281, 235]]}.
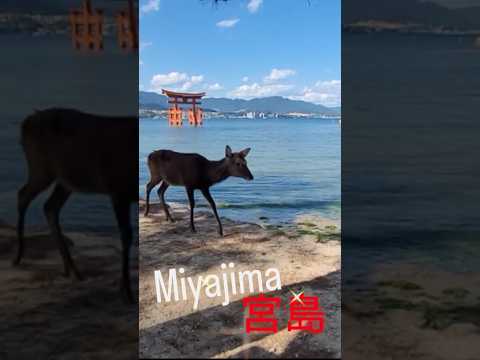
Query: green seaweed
{"points": [[439, 318], [389, 303], [279, 233], [307, 224], [428, 296], [400, 284], [306, 232], [458, 293]]}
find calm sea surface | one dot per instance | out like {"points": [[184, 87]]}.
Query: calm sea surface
{"points": [[44, 72], [295, 162], [410, 136]]}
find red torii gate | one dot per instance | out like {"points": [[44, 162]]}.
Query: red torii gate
{"points": [[87, 27], [195, 114]]}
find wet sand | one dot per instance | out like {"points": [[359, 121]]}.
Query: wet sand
{"points": [[306, 253]]}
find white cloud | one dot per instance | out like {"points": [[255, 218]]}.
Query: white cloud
{"points": [[214, 87], [150, 5], [144, 45], [278, 74], [245, 79], [228, 23], [186, 86], [253, 5], [259, 90], [172, 78], [329, 84], [325, 92], [195, 79], [178, 81]]}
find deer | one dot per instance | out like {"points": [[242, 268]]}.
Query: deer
{"points": [[194, 172], [73, 150]]}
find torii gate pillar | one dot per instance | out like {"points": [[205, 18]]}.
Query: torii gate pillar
{"points": [[195, 114]]}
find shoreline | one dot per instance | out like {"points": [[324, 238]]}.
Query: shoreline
{"points": [[263, 221]]}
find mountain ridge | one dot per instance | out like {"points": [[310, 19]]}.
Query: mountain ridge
{"points": [[425, 13], [273, 104]]}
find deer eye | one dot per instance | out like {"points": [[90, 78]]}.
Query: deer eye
{"points": [[238, 164]]}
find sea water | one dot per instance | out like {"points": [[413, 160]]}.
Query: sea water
{"points": [[295, 164]]}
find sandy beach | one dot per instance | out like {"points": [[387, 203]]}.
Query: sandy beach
{"points": [[412, 311], [46, 315], [307, 253]]}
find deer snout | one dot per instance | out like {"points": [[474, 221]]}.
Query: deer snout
{"points": [[249, 176]]}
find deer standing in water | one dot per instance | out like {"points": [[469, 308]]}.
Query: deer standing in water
{"points": [[193, 171], [79, 152]]}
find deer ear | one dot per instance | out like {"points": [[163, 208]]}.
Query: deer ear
{"points": [[228, 151], [245, 152]]}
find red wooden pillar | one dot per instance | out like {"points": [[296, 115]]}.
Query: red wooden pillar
{"points": [[194, 112], [133, 23]]}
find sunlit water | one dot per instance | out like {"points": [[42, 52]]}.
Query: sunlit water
{"points": [[295, 163]]}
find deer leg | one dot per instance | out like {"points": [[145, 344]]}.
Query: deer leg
{"points": [[121, 207], [25, 196], [191, 199], [52, 211], [161, 194], [151, 184], [206, 194]]}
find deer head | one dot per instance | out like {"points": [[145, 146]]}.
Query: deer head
{"points": [[236, 163]]}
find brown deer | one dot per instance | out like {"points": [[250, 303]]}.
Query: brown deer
{"points": [[193, 171], [82, 153]]}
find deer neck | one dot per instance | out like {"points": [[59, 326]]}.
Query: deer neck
{"points": [[218, 171]]}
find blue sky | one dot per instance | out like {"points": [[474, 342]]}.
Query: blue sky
{"points": [[242, 48]]}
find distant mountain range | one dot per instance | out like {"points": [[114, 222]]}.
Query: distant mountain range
{"points": [[273, 104], [424, 13], [56, 7]]}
